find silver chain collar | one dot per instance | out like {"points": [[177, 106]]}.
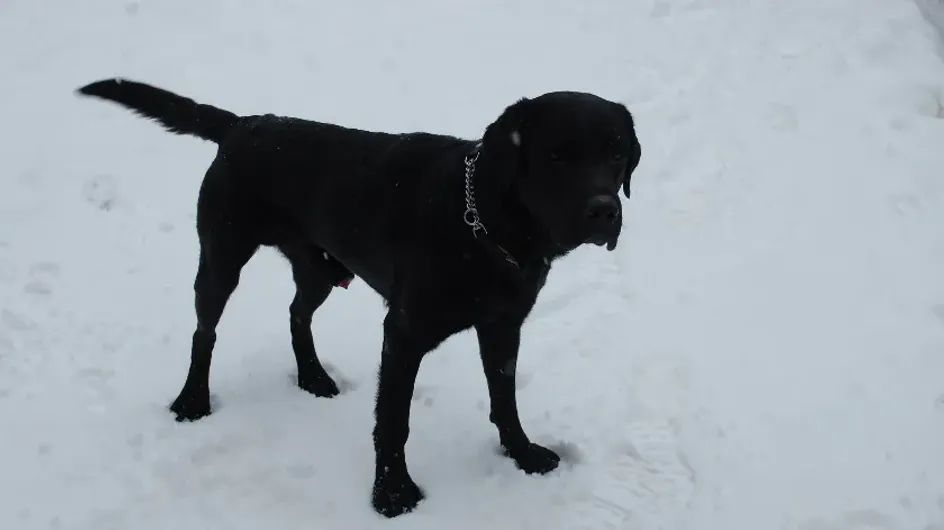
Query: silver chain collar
{"points": [[471, 215]]}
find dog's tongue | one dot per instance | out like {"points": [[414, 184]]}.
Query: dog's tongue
{"points": [[345, 283]]}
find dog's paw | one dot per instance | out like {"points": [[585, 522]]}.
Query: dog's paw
{"points": [[534, 458], [321, 386], [395, 494], [190, 407]]}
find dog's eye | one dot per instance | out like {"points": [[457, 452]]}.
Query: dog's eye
{"points": [[618, 157], [555, 156]]}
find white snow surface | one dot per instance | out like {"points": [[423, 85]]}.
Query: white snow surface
{"points": [[763, 351]]}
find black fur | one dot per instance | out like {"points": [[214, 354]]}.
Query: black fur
{"points": [[176, 113], [390, 208]]}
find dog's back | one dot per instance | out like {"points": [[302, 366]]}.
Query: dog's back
{"points": [[352, 192]]}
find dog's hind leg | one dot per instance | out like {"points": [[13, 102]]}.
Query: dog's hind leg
{"points": [[315, 274], [222, 257]]}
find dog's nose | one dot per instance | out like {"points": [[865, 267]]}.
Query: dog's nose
{"points": [[602, 209]]}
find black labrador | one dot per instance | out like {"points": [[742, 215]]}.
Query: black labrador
{"points": [[452, 233]]}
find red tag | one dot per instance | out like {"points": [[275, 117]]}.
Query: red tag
{"points": [[345, 282]]}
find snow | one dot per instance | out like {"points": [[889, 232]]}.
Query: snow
{"points": [[933, 10], [764, 350]]}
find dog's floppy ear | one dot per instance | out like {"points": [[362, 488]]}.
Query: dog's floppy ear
{"points": [[635, 154], [501, 145]]}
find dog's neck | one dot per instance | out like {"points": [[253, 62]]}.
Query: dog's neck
{"points": [[502, 224]]}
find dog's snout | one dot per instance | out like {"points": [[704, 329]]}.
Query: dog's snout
{"points": [[603, 209]]}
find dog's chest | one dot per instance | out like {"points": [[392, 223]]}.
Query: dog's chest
{"points": [[508, 295]]}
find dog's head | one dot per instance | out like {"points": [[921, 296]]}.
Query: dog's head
{"points": [[564, 156]]}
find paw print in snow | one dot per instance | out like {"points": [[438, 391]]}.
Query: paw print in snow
{"points": [[938, 311], [424, 394], [37, 287], [101, 191], [782, 117], [40, 274], [660, 9], [15, 321]]}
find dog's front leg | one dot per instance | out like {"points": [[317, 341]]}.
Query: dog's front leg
{"points": [[498, 347], [394, 491]]}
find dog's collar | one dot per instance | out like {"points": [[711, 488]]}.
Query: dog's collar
{"points": [[471, 215]]}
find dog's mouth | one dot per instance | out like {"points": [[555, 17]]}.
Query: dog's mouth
{"points": [[604, 239]]}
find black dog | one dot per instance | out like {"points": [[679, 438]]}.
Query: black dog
{"points": [[451, 233]]}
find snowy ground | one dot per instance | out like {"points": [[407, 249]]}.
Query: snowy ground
{"points": [[765, 350]]}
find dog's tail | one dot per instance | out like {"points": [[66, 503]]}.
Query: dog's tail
{"points": [[175, 113]]}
